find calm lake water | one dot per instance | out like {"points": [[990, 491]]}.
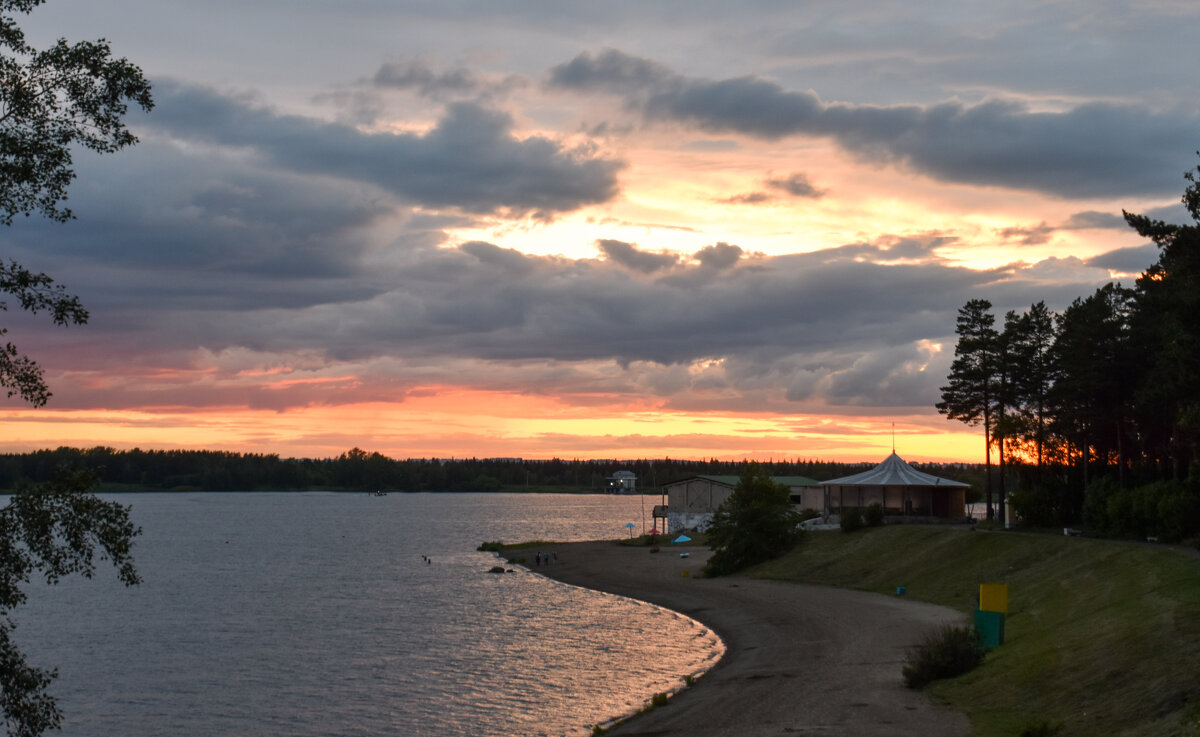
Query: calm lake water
{"points": [[315, 614]]}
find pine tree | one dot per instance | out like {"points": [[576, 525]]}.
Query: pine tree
{"points": [[970, 395]]}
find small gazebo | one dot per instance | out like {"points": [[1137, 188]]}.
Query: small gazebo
{"points": [[901, 489]]}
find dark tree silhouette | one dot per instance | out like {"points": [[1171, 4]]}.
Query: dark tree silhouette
{"points": [[53, 102], [970, 395]]}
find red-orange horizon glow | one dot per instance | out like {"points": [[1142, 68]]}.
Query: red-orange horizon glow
{"points": [[466, 424]]}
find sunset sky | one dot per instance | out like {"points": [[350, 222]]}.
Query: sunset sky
{"points": [[603, 230]]}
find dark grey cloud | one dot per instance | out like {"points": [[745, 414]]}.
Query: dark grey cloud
{"points": [[417, 75], [909, 247], [794, 185], [630, 257], [1035, 235], [749, 198], [414, 74], [1100, 220], [797, 185], [719, 256], [891, 376], [1132, 260], [1172, 213], [1094, 149], [489, 303], [470, 161], [209, 217]]}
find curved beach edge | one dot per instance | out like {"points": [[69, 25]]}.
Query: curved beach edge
{"points": [[798, 658]]}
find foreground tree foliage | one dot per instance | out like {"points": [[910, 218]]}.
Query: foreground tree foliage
{"points": [[1098, 406], [51, 530], [756, 523], [19, 374], [53, 102]]}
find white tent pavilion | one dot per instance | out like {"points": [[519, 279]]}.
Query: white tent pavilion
{"points": [[900, 489]]}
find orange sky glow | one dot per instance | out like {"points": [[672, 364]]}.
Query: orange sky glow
{"points": [[484, 425]]}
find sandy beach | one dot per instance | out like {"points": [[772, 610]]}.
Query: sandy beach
{"points": [[805, 660]]}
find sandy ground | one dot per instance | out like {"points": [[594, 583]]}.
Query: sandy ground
{"points": [[800, 660]]}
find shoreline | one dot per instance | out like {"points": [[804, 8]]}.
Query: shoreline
{"points": [[799, 659]]}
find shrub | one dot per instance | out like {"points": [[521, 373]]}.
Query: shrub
{"points": [[874, 515], [852, 519], [1167, 509], [1042, 503], [756, 523], [1178, 509], [494, 546], [658, 699], [948, 653]]}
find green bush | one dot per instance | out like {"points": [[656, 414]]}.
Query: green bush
{"points": [[1164, 509], [1043, 503], [494, 546], [947, 653], [874, 515], [658, 699], [756, 523], [1179, 514], [852, 519]]}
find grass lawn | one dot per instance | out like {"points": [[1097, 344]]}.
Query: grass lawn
{"points": [[1102, 637]]}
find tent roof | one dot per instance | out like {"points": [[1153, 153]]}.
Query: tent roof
{"points": [[893, 472]]}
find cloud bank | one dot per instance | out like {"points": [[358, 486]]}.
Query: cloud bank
{"points": [[470, 160], [1089, 150]]}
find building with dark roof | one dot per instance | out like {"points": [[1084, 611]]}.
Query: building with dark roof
{"points": [[691, 502]]}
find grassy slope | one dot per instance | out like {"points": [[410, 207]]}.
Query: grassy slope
{"points": [[1102, 637]]}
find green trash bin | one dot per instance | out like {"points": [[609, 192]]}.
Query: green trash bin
{"points": [[990, 626]]}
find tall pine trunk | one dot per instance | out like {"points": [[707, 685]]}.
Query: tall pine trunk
{"points": [[987, 441]]}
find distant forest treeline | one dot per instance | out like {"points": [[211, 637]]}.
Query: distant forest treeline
{"points": [[358, 470]]}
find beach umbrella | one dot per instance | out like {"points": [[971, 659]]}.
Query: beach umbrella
{"points": [[682, 539], [629, 526], [655, 531]]}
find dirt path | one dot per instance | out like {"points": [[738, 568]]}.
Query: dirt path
{"points": [[801, 660]]}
